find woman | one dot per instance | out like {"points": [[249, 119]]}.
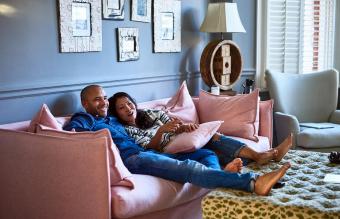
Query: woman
{"points": [[153, 129]]}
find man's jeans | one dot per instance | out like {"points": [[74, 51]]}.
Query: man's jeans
{"points": [[200, 168]]}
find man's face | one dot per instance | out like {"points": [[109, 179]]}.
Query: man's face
{"points": [[96, 102]]}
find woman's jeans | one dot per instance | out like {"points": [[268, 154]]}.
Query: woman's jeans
{"points": [[200, 168], [227, 149]]}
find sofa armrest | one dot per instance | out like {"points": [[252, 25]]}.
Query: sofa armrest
{"points": [[335, 117], [53, 177], [284, 125]]}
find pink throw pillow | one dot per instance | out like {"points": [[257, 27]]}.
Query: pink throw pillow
{"points": [[181, 106], [239, 113], [191, 141], [44, 117], [119, 174], [266, 118]]}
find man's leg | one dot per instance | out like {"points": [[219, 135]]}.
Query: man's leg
{"points": [[209, 158], [188, 170]]}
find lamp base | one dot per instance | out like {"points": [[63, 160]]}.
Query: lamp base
{"points": [[221, 64]]}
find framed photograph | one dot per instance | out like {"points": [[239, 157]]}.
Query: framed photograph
{"points": [[128, 44], [80, 26], [81, 19], [141, 10], [113, 9], [167, 26]]}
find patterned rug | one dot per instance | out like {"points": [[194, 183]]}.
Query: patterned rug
{"points": [[305, 194]]}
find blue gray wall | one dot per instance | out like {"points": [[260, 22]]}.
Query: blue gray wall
{"points": [[32, 71]]}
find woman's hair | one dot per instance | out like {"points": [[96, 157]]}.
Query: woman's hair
{"points": [[112, 104]]}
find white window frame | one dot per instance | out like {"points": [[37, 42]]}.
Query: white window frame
{"points": [[261, 41], [337, 38]]}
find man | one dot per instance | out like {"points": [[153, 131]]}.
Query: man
{"points": [[200, 167]]}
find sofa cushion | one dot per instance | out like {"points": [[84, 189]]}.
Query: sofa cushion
{"points": [[180, 106], [23, 125], [17, 126], [320, 136], [44, 117], [151, 194], [190, 141], [266, 119], [153, 104], [239, 113], [119, 174]]}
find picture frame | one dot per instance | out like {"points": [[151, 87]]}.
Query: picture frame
{"points": [[81, 19], [128, 44], [141, 10], [80, 26], [167, 26], [113, 9]]}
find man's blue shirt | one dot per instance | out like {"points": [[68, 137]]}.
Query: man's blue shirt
{"points": [[86, 122]]}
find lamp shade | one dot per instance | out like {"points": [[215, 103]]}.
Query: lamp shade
{"points": [[222, 17]]}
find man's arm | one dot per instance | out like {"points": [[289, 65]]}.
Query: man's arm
{"points": [[80, 122]]}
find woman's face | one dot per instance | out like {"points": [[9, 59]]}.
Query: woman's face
{"points": [[126, 110]]}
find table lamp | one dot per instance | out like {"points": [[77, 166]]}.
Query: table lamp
{"points": [[221, 60]]}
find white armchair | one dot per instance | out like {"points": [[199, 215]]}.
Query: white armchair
{"points": [[305, 105]]}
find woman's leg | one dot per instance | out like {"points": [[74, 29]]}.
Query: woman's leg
{"points": [[229, 148], [275, 154], [284, 147], [258, 157]]}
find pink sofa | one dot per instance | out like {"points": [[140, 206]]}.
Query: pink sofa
{"points": [[53, 177]]}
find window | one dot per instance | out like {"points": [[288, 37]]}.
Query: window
{"points": [[296, 36]]}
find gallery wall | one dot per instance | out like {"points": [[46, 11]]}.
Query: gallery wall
{"points": [[33, 71]]}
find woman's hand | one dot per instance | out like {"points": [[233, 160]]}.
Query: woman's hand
{"points": [[187, 128], [171, 126]]}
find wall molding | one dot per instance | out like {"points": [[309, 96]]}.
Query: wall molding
{"points": [[55, 89], [64, 88]]}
